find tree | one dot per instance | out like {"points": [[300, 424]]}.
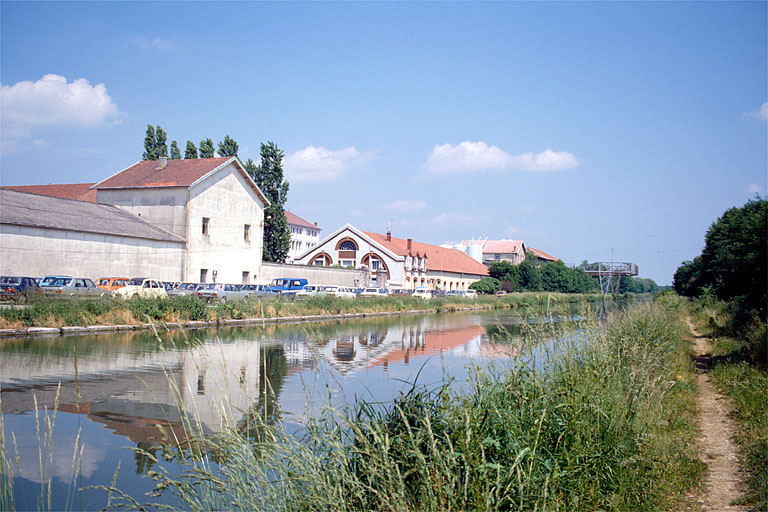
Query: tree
{"points": [[161, 146], [228, 147], [175, 153], [206, 148], [191, 151], [268, 176], [150, 149], [486, 285]]}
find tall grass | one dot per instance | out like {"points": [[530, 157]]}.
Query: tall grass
{"points": [[601, 421]]}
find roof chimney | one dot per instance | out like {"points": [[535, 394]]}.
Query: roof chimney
{"points": [[162, 162], [315, 223], [410, 244], [389, 236]]}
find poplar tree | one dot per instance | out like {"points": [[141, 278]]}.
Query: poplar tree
{"points": [[268, 176], [228, 147], [175, 153], [206, 148], [150, 147], [161, 148], [191, 151]]}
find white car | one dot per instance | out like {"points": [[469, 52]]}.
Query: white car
{"points": [[148, 288], [310, 290], [374, 292], [340, 291], [422, 292], [470, 294]]}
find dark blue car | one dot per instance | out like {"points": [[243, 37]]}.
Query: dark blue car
{"points": [[18, 288]]}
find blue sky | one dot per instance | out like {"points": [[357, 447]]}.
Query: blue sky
{"points": [[580, 128]]}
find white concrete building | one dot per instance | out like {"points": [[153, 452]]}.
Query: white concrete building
{"points": [[209, 209], [395, 262], [304, 235]]}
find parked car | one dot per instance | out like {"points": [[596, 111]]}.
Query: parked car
{"points": [[501, 293], [374, 292], [48, 279], [341, 292], [423, 293], [184, 289], [146, 289], [400, 291], [72, 287], [287, 285], [251, 291], [221, 292], [454, 294], [310, 290], [470, 294], [18, 288], [438, 293], [111, 283]]}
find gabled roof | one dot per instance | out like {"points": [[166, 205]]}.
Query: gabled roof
{"points": [[177, 173], [78, 191], [542, 255], [295, 220], [22, 209], [362, 234], [438, 258]]}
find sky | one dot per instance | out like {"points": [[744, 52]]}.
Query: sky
{"points": [[599, 131]]}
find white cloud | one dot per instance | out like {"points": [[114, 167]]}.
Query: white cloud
{"points": [[479, 156], [405, 206], [761, 113], [153, 44], [318, 164], [51, 101], [754, 189], [528, 209]]}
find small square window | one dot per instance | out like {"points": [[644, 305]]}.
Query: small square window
{"points": [[203, 275], [247, 232], [206, 221], [246, 276]]}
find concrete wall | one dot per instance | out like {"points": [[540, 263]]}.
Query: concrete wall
{"points": [[229, 203], [163, 207], [315, 275], [36, 252]]}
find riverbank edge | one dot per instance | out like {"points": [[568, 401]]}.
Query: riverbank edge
{"points": [[221, 322]]}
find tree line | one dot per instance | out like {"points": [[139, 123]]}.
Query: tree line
{"points": [[268, 176]]}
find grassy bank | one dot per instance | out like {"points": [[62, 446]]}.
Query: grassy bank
{"points": [[739, 372], [603, 421], [47, 312]]}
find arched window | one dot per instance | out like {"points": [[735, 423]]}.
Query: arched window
{"points": [[347, 245]]}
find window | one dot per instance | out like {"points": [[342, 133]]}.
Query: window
{"points": [[247, 232], [347, 263], [246, 276], [347, 245], [375, 264], [319, 262], [203, 275], [497, 257], [206, 220]]}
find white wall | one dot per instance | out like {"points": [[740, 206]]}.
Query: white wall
{"points": [[315, 275], [36, 252], [164, 207], [229, 202]]}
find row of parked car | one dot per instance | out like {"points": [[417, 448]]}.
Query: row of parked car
{"points": [[21, 288]]}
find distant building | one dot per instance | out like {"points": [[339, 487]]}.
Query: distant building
{"points": [[395, 262], [176, 220], [513, 251], [304, 235]]}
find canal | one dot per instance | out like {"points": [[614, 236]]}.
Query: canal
{"points": [[114, 393]]}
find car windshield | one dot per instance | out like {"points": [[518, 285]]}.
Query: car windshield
{"points": [[59, 282], [187, 286], [10, 280], [48, 280], [136, 281]]}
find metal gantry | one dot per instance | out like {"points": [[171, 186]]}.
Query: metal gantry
{"points": [[609, 273]]}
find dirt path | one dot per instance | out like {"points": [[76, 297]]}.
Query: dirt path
{"points": [[718, 451]]}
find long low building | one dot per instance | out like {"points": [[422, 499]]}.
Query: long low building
{"points": [[198, 220], [396, 262]]}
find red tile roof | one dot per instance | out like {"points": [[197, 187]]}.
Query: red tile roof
{"points": [[78, 191], [438, 258], [178, 173], [499, 246], [542, 255], [295, 220]]}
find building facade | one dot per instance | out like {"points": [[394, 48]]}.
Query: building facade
{"points": [[395, 262], [304, 235]]}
